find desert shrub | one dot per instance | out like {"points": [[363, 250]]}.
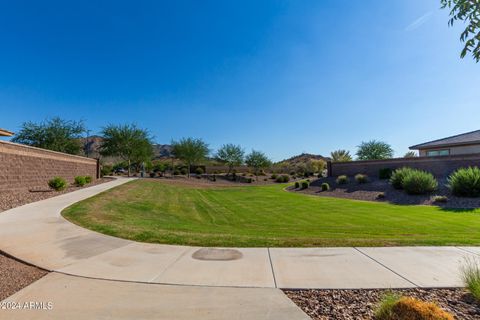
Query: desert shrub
{"points": [[199, 171], [419, 182], [397, 176], [57, 184], [88, 179], [176, 172], [381, 195], [273, 176], [343, 179], [440, 199], [465, 182], [471, 277], [385, 173], [361, 178], [152, 174], [249, 180], [283, 178], [304, 185], [292, 173], [184, 171], [394, 307], [80, 181], [320, 175], [325, 186], [297, 184], [265, 179], [106, 170]]}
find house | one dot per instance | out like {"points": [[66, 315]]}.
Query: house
{"points": [[465, 143], [5, 133]]}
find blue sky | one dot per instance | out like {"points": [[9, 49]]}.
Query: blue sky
{"points": [[283, 77]]}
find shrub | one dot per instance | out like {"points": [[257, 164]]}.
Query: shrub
{"points": [[440, 199], [152, 174], [394, 307], [397, 176], [249, 180], [471, 277], [381, 195], [343, 179], [325, 186], [297, 184], [88, 179], [385, 173], [419, 182], [57, 184], [184, 171], [80, 181], [320, 175], [273, 176], [199, 171], [265, 179], [176, 172], [106, 170], [361, 178], [304, 185], [465, 182], [283, 178]]}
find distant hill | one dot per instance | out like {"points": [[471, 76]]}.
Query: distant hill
{"points": [[302, 158], [91, 148]]}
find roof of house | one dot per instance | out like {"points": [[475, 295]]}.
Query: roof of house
{"points": [[5, 133], [472, 137]]}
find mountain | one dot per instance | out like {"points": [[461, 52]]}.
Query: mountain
{"points": [[302, 158]]}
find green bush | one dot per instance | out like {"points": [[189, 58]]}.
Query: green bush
{"points": [[176, 172], [343, 179], [273, 176], [385, 173], [397, 177], [384, 308], [199, 171], [297, 184], [465, 182], [419, 182], [106, 170], [361, 178], [283, 178], [304, 185], [249, 180], [80, 181], [471, 277], [88, 179], [381, 195], [325, 186], [57, 184], [440, 199], [184, 171], [152, 174]]}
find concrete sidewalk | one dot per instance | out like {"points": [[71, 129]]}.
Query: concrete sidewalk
{"points": [[36, 233]]}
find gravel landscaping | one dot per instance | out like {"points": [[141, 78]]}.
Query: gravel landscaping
{"points": [[371, 190], [361, 304], [12, 199], [15, 275]]}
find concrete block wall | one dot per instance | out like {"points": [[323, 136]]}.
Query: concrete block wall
{"points": [[24, 167], [440, 166]]}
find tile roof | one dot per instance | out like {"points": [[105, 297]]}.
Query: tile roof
{"points": [[459, 139]]}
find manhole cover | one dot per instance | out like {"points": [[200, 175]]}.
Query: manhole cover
{"points": [[217, 254]]}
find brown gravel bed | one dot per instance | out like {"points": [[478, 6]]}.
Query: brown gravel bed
{"points": [[15, 275], [12, 199], [369, 191], [360, 304]]}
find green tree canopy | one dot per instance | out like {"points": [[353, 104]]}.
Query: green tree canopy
{"points": [[341, 155], [374, 150], [190, 150], [467, 11], [257, 160], [230, 154], [128, 142], [410, 154], [54, 134]]}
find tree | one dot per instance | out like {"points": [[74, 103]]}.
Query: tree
{"points": [[410, 154], [190, 150], [341, 156], [128, 142], [230, 154], [467, 11], [374, 150], [54, 134], [257, 160]]}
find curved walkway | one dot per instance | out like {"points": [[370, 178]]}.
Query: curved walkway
{"points": [[38, 234]]}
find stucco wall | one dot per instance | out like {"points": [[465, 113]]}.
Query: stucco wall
{"points": [[457, 150], [440, 166], [24, 167]]}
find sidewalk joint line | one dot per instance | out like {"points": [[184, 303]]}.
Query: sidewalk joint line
{"points": [[271, 266], [389, 269]]}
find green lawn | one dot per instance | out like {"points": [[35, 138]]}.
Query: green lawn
{"points": [[252, 216]]}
